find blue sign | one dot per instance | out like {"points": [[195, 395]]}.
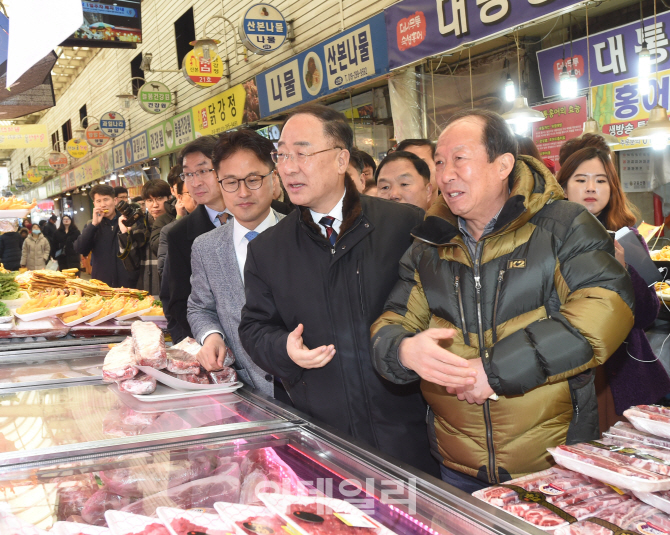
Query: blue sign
{"points": [[263, 28], [417, 29], [351, 57], [4, 38], [107, 9], [614, 55], [112, 124]]}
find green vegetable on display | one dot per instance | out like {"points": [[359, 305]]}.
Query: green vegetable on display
{"points": [[9, 288], [4, 311]]}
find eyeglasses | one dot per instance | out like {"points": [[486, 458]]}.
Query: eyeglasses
{"points": [[231, 185], [189, 177], [299, 158]]}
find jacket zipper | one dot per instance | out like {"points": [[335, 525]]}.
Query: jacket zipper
{"points": [[494, 335], [464, 327], [359, 274]]}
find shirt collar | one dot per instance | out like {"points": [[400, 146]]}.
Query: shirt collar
{"points": [[336, 212], [462, 225], [213, 214], [240, 231]]}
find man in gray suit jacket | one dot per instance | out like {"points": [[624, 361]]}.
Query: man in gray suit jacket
{"points": [[246, 175]]}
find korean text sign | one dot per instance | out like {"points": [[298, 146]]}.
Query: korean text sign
{"points": [[347, 59], [564, 120], [221, 112], [614, 55], [416, 29]]}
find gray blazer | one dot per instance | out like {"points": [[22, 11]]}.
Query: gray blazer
{"points": [[217, 297]]}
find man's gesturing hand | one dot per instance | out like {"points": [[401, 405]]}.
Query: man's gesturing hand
{"points": [[422, 354], [480, 391], [305, 357], [213, 353]]}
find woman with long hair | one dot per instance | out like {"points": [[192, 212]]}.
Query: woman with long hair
{"points": [[633, 375], [66, 235]]}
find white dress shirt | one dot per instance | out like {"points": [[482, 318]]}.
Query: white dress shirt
{"points": [[336, 212], [214, 216], [240, 241]]}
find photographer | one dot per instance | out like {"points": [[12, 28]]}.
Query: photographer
{"points": [[136, 252]]}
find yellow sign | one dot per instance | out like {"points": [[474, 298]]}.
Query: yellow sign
{"points": [[33, 176], [77, 148], [619, 108], [200, 71], [220, 113], [24, 136]]}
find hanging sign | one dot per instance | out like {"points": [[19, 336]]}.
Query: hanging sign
{"points": [[220, 113], [202, 72], [44, 170], [23, 136], [95, 137], [154, 97], [57, 161], [112, 124], [262, 29], [77, 148], [33, 176]]}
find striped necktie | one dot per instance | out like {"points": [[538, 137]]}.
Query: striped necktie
{"points": [[327, 221], [223, 217]]}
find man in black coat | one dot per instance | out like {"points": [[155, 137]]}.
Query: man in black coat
{"points": [[317, 281], [10, 250], [49, 232]]}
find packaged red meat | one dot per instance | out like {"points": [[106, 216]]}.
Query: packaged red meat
{"points": [[131, 417], [263, 471], [72, 493], [149, 344], [660, 500], [168, 421], [650, 418], [73, 528], [197, 378], [121, 523], [181, 522], [101, 501], [611, 467], [626, 430], [117, 424], [251, 519], [629, 517], [13, 525], [119, 362], [181, 357], [139, 385], [223, 376]]}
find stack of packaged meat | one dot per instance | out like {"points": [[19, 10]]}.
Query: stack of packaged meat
{"points": [[183, 365], [149, 344], [651, 418], [629, 517]]}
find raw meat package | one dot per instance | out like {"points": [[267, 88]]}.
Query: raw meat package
{"points": [[13, 525], [181, 357], [551, 498], [250, 519], [632, 472], [184, 522], [197, 378], [263, 471], [168, 421], [223, 376], [660, 500], [75, 528], [650, 418], [125, 422], [149, 344], [139, 385], [94, 509], [626, 430], [72, 493], [119, 362], [634, 517], [121, 523]]}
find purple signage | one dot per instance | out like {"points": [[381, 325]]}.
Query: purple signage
{"points": [[417, 29], [613, 55]]}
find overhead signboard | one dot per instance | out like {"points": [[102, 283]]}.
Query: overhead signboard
{"points": [[200, 71], [222, 112], [614, 55], [154, 97], [77, 148], [112, 124], [417, 29], [23, 136], [349, 58], [95, 136], [263, 29], [109, 24]]}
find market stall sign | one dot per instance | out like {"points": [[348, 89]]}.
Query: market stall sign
{"points": [[564, 120], [614, 55], [201, 72], [33, 176], [636, 170], [44, 170], [112, 124], [220, 113], [77, 148], [58, 161], [263, 29], [417, 29], [349, 58], [95, 137], [154, 97], [23, 136]]}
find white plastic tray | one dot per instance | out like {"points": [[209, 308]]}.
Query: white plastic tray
{"points": [[165, 393], [155, 319], [121, 523], [104, 318], [19, 212], [180, 384], [48, 313], [132, 315], [16, 525], [81, 320], [204, 520], [636, 484], [654, 427], [236, 512], [6, 319], [16, 303], [73, 528], [654, 500]]}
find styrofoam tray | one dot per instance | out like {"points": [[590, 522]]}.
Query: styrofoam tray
{"points": [[607, 476], [654, 427], [180, 384], [132, 315], [121, 523], [16, 525], [82, 320], [204, 520], [236, 512], [654, 500], [155, 319], [73, 528], [6, 319], [19, 212], [16, 303], [165, 393], [48, 313], [664, 296], [104, 318]]}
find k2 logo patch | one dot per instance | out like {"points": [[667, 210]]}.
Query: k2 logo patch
{"points": [[516, 264]]}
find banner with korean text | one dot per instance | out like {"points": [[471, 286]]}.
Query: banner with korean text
{"points": [[225, 111]]}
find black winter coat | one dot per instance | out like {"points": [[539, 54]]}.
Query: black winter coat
{"points": [[293, 276], [69, 258], [103, 242], [10, 250]]}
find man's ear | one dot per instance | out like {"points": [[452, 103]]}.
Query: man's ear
{"points": [[429, 191], [343, 161], [506, 163]]}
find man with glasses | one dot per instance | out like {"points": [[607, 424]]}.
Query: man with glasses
{"points": [[246, 174], [315, 283], [199, 175]]}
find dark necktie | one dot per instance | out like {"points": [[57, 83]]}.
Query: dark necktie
{"points": [[251, 235], [223, 217], [327, 221]]}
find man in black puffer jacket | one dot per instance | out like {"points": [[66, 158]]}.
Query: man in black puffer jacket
{"points": [[10, 250]]}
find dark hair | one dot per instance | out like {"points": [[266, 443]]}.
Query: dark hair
{"points": [[53, 217], [35, 225], [527, 147], [232, 142], [180, 187], [72, 224], [619, 211], [577, 143], [335, 125], [103, 190], [155, 188], [356, 160], [368, 160], [370, 183], [204, 144], [402, 146], [137, 199], [118, 190], [173, 175], [24, 229], [420, 166]]}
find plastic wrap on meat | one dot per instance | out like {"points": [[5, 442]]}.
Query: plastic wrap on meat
{"points": [[153, 529], [231, 469], [627, 516], [224, 376], [119, 363], [72, 499], [200, 378], [138, 481], [130, 417], [261, 524], [229, 359], [650, 412], [254, 483], [183, 526], [149, 344], [200, 493], [662, 454], [93, 511], [626, 430], [181, 357], [113, 425], [302, 515], [274, 469], [609, 461], [139, 385], [168, 421]]}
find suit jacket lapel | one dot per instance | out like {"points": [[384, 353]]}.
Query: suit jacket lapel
{"points": [[229, 267], [198, 223]]}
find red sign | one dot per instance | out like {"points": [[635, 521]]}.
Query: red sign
{"points": [[411, 31], [564, 120], [576, 63], [57, 160]]}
